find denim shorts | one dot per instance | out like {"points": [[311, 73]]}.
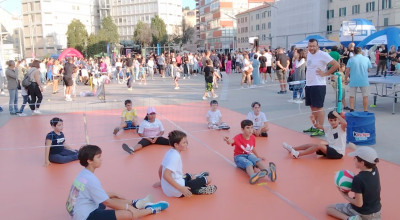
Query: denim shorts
{"points": [[245, 160]]}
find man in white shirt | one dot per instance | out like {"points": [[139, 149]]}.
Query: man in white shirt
{"points": [[317, 62]]}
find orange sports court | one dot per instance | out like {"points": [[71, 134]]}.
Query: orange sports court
{"points": [[304, 187]]}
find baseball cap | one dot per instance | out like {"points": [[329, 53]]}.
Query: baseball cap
{"points": [[151, 110], [366, 153]]}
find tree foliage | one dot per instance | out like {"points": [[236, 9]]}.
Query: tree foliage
{"points": [[187, 32], [142, 34], [77, 35], [95, 45], [159, 30], [109, 31]]}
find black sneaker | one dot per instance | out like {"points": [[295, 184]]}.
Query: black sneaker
{"points": [[127, 149], [281, 92], [264, 134], [346, 108]]}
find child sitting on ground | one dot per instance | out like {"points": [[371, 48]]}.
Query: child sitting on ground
{"points": [[151, 131], [335, 145], [88, 200], [173, 182], [246, 157], [128, 118], [259, 120], [214, 117], [56, 151], [366, 186]]}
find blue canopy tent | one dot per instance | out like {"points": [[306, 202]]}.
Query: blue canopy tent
{"points": [[322, 42], [389, 36]]}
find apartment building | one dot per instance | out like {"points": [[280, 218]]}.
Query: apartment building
{"points": [[127, 13], [11, 45], [254, 23], [190, 17], [45, 23]]}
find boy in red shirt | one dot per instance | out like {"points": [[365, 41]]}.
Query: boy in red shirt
{"points": [[246, 157]]}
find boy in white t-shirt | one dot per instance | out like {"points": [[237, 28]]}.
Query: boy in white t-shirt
{"points": [[214, 117], [335, 145], [88, 200], [151, 131], [260, 124], [172, 181]]}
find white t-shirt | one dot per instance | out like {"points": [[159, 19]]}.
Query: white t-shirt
{"points": [[173, 162], [336, 138], [149, 129], [118, 64], [258, 120], [85, 195], [214, 117], [269, 59], [246, 65], [150, 63], [316, 61]]}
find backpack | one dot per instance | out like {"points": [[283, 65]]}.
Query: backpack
{"points": [[216, 62], [26, 82]]}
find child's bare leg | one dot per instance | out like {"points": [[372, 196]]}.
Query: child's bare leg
{"points": [[137, 147], [248, 76], [122, 125], [312, 149], [212, 92], [332, 211], [250, 170], [261, 165]]}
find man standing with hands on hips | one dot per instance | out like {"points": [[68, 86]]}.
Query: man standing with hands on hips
{"points": [[317, 62]]}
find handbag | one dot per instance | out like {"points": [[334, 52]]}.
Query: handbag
{"points": [[18, 85]]}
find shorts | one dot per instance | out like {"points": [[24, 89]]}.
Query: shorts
{"points": [[347, 209], [161, 67], [209, 86], [331, 153], [263, 69], [129, 125], [243, 161], [269, 69], [353, 91], [102, 214], [130, 70], [281, 74], [315, 96], [239, 64], [195, 184], [160, 140], [176, 78], [68, 81]]}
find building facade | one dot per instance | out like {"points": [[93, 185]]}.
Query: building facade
{"points": [[45, 23], [11, 42], [127, 13], [254, 23], [189, 16]]}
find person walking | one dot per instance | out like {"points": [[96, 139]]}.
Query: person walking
{"points": [[12, 86]]}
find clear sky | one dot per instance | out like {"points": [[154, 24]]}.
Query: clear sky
{"points": [[14, 6]]}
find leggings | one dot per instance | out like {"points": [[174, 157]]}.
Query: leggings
{"points": [[35, 92], [64, 156]]}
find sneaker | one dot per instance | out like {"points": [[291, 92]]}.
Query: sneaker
{"points": [[264, 134], [287, 147], [355, 217], [257, 176], [127, 149], [215, 127], [177, 87], [21, 114], [281, 92], [157, 207], [130, 89], [204, 98], [347, 108], [215, 96], [272, 172], [312, 129], [13, 113], [294, 153], [36, 112], [116, 130], [141, 203], [2, 93], [318, 133], [207, 190], [291, 100], [298, 101], [205, 173]]}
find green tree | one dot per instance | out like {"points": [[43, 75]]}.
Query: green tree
{"points": [[159, 30], [109, 31], [187, 32], [95, 45], [142, 34], [77, 35]]}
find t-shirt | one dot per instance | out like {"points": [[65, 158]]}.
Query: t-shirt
{"points": [[258, 120], [85, 195], [382, 57], [283, 59], [129, 115], [263, 61], [368, 184], [335, 55], [208, 74], [214, 117], [397, 67], [173, 162], [359, 65], [269, 59], [319, 60], [150, 129], [129, 62], [68, 70], [243, 146], [336, 138], [57, 142]]}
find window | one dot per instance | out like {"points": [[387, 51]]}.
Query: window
{"points": [[263, 14], [264, 37], [355, 9], [370, 6], [257, 16], [257, 27], [330, 13], [342, 12], [238, 21], [269, 13], [386, 4], [263, 26], [245, 19], [269, 25], [251, 28], [329, 29], [386, 22]]}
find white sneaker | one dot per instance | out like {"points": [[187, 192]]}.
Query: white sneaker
{"points": [[253, 86], [298, 101], [22, 114], [294, 153], [204, 98], [141, 203], [2, 93], [177, 87], [215, 96], [287, 147], [68, 99], [185, 77], [291, 100], [36, 112], [130, 89]]}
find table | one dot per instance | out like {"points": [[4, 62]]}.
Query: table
{"points": [[387, 88]]}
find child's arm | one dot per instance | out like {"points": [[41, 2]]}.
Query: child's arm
{"points": [[357, 200], [229, 141], [47, 152], [183, 189], [256, 154], [343, 122]]}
